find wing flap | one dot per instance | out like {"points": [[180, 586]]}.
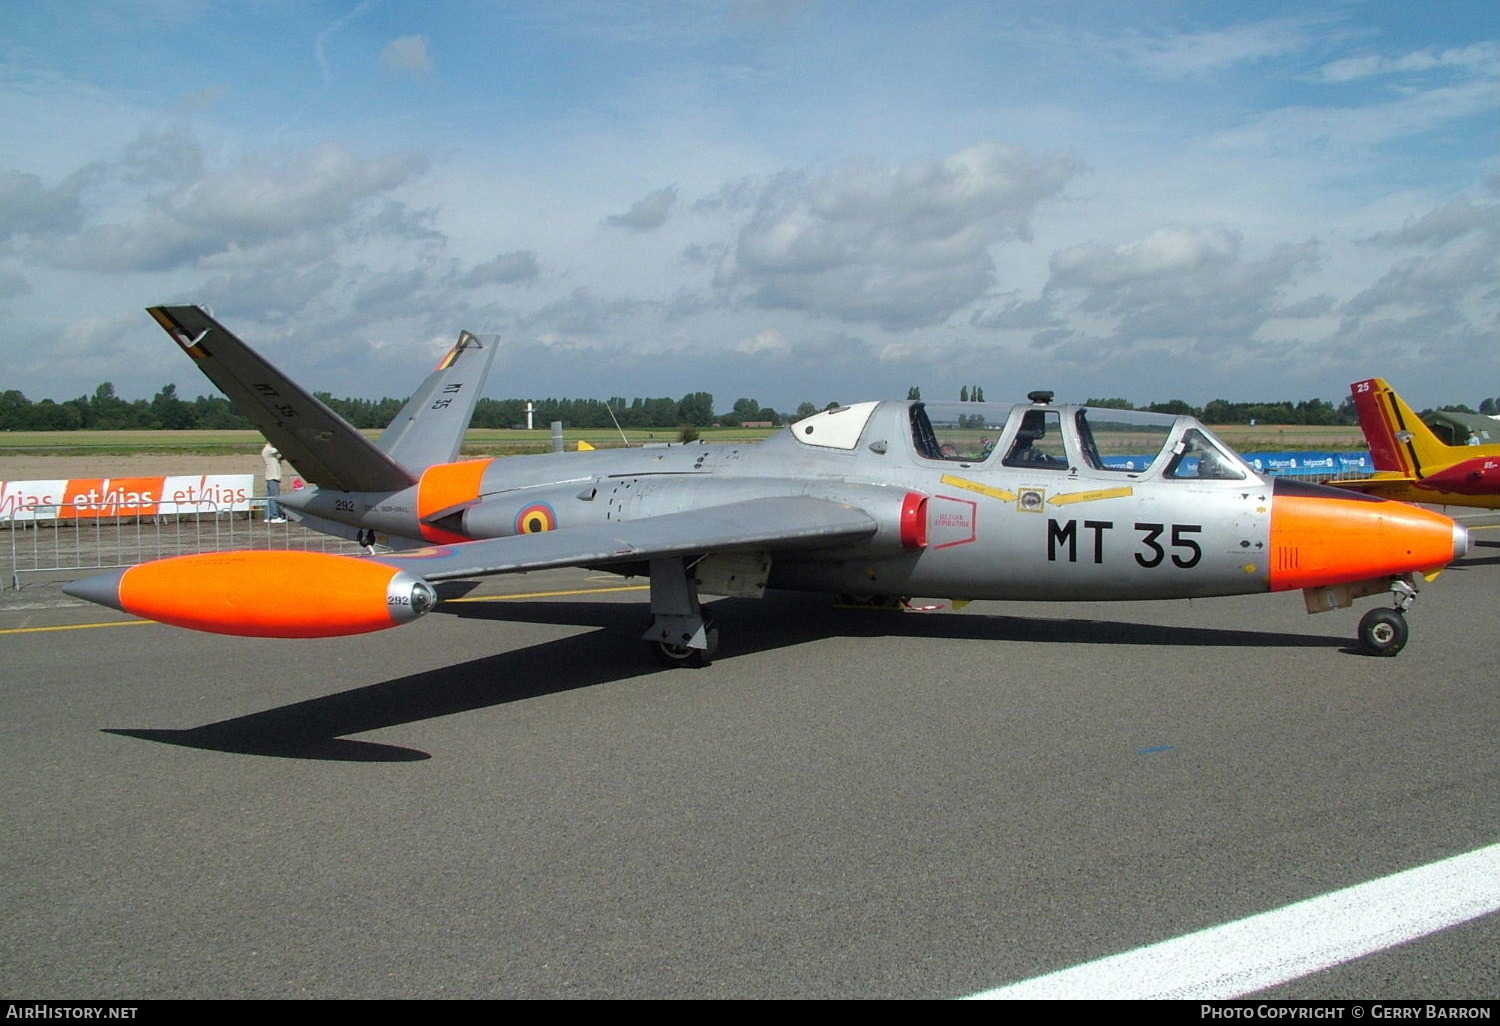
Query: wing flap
{"points": [[772, 523]]}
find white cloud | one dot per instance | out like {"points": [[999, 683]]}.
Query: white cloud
{"points": [[1166, 252], [274, 293], [264, 199], [407, 55], [256, 202], [1479, 57], [581, 313], [12, 284], [1435, 308], [647, 213], [1190, 288], [1427, 283], [1451, 221], [901, 245], [1196, 54], [505, 269], [766, 341], [28, 207]]}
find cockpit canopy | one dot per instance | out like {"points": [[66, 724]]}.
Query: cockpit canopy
{"points": [[1038, 436], [1047, 437]]}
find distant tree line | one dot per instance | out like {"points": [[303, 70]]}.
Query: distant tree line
{"points": [[105, 411], [1222, 411], [1307, 412]]}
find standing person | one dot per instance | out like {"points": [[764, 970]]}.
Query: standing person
{"points": [[272, 460]]}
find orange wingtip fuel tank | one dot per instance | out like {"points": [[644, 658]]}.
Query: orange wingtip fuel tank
{"points": [[264, 594], [1323, 536]]}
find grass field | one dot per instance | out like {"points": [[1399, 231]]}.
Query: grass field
{"points": [[478, 442], [500, 442], [1290, 438]]}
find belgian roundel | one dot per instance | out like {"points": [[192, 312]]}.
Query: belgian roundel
{"points": [[536, 518]]}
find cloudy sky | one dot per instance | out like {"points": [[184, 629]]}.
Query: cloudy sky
{"points": [[828, 200]]}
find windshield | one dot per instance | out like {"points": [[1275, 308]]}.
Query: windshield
{"points": [[1198, 457]]}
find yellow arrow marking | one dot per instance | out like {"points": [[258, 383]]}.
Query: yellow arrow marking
{"points": [[982, 489], [1103, 493]]}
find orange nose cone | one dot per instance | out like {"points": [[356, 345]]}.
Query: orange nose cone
{"points": [[270, 594], [1322, 536]]}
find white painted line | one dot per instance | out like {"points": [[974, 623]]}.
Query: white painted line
{"points": [[1239, 958]]}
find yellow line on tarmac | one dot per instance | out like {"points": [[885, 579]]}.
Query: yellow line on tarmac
{"points": [[75, 627], [548, 594]]}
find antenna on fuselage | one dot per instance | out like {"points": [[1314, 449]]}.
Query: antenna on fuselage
{"points": [[623, 440], [1041, 397]]}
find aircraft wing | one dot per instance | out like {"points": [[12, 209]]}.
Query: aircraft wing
{"points": [[1372, 484], [323, 446], [776, 524]]}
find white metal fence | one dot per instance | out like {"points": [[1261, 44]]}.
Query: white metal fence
{"points": [[72, 537]]}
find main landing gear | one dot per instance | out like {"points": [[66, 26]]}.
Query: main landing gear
{"points": [[1383, 632], [681, 634]]}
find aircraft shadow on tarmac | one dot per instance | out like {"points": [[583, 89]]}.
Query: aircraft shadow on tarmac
{"points": [[317, 728]]}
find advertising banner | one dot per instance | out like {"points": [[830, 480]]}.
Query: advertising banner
{"points": [[1311, 464], [93, 498], [1319, 465]]}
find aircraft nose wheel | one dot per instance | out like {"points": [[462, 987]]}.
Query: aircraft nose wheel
{"points": [[1383, 632]]}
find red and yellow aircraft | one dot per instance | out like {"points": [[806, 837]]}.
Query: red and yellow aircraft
{"points": [[878, 500], [1411, 463]]}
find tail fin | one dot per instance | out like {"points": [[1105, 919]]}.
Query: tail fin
{"points": [[1397, 438], [325, 448], [430, 427]]}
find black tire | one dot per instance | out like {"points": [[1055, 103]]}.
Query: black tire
{"points": [[674, 656], [1383, 632]]}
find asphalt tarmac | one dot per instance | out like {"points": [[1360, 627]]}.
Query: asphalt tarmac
{"points": [[508, 799]]}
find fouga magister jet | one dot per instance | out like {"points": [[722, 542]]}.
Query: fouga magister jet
{"points": [[873, 501], [1412, 463]]}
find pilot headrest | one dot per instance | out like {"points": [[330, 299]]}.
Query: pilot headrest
{"points": [[1033, 426]]}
